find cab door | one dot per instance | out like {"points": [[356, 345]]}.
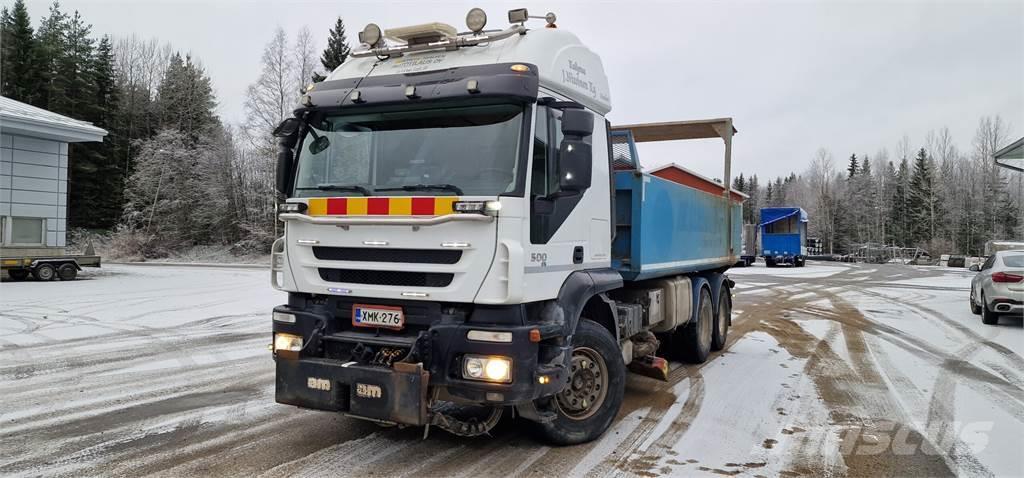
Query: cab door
{"points": [[568, 231]]}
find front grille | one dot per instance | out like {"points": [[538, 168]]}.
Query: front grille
{"points": [[393, 278], [374, 254]]}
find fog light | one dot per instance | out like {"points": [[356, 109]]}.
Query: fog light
{"points": [[287, 343], [491, 369]]}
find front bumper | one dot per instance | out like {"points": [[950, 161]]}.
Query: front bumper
{"points": [[325, 376]]}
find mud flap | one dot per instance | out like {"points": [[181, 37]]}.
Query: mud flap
{"points": [[650, 366]]}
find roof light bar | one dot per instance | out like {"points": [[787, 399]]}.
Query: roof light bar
{"points": [[476, 20], [449, 43], [371, 35]]}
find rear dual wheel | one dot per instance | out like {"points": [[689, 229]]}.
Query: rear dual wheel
{"points": [[722, 320], [694, 339]]}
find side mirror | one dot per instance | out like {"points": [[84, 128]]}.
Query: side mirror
{"points": [[974, 268], [574, 165], [577, 122], [319, 144], [283, 172]]}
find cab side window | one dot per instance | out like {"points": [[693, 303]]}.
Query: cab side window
{"points": [[553, 210], [547, 138]]}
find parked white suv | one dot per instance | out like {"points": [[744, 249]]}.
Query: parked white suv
{"points": [[999, 286]]}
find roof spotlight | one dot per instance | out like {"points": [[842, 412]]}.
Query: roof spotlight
{"points": [[518, 15], [476, 19], [370, 35]]}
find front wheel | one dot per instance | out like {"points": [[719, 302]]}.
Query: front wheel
{"points": [[597, 382], [975, 308]]}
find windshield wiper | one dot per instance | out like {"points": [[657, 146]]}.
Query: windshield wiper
{"points": [[342, 187], [425, 187]]}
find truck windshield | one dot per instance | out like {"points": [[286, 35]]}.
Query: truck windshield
{"points": [[463, 150]]}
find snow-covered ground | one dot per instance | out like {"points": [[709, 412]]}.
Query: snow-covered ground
{"points": [[831, 369]]}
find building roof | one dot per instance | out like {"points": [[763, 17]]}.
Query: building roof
{"points": [[27, 120], [1012, 156], [688, 177]]}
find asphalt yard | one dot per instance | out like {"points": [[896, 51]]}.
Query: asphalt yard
{"points": [[831, 369]]}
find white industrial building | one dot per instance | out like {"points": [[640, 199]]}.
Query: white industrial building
{"points": [[34, 174]]}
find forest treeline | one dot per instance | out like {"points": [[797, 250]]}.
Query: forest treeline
{"points": [[172, 174], [935, 195]]}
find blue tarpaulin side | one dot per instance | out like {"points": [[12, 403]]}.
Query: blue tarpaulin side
{"points": [[774, 214]]}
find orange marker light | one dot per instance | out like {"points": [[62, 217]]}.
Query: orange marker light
{"points": [[534, 335]]}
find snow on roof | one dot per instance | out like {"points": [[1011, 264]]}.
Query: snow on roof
{"points": [[24, 119]]}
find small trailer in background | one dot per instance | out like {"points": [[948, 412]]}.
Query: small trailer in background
{"points": [[46, 267], [783, 236]]}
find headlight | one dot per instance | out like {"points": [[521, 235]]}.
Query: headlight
{"points": [[287, 343], [490, 369], [291, 207], [489, 208]]}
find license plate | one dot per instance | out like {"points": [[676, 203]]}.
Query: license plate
{"points": [[377, 316]]}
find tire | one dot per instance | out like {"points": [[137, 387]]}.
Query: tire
{"points": [[694, 339], [17, 274], [597, 373], [769, 262], [44, 272], [987, 316], [798, 262], [975, 309], [67, 272], [722, 320]]}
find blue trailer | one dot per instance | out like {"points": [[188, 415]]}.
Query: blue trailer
{"points": [[783, 236]]}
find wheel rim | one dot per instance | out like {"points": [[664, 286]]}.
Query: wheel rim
{"points": [[45, 273], [588, 385], [707, 321]]}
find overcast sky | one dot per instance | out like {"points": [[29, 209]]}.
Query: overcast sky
{"points": [[853, 77]]}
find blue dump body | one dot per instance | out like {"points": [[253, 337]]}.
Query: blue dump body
{"points": [[664, 228], [783, 231]]}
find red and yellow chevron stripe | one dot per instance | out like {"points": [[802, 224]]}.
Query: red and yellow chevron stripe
{"points": [[381, 206]]}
